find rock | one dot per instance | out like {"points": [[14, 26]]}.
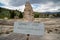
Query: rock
{"points": [[28, 12]]}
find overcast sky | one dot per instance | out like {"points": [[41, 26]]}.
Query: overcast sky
{"points": [[38, 5]]}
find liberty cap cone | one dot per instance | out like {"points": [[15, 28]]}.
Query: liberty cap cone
{"points": [[28, 12]]}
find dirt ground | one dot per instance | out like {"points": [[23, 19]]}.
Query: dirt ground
{"points": [[52, 30]]}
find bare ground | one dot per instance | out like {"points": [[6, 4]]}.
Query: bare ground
{"points": [[52, 31]]}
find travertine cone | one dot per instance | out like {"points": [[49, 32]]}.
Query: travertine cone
{"points": [[28, 12]]}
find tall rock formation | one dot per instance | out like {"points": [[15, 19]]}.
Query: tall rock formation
{"points": [[28, 12]]}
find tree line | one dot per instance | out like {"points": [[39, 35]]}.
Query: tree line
{"points": [[11, 13]]}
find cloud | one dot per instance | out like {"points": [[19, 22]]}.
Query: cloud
{"points": [[22, 2], [17, 2], [20, 8], [38, 5], [47, 7], [6, 2], [56, 1], [1, 4]]}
